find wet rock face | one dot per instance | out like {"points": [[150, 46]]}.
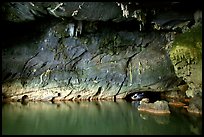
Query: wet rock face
{"points": [[99, 65], [79, 58]]}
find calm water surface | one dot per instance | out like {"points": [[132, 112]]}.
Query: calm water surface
{"points": [[94, 118]]}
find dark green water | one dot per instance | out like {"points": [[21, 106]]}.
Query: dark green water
{"points": [[93, 118]]}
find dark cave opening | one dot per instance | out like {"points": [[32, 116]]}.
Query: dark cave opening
{"points": [[138, 96]]}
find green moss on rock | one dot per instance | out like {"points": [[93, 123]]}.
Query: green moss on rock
{"points": [[186, 56]]}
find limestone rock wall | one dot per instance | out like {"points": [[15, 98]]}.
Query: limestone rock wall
{"points": [[87, 50]]}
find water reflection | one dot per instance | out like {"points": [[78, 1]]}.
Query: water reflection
{"points": [[100, 117]]}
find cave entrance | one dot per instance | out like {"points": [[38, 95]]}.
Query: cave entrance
{"points": [[137, 96]]}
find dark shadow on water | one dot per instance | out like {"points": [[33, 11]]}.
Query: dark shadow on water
{"points": [[92, 118]]}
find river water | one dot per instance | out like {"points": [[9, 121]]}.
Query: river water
{"points": [[94, 118]]}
